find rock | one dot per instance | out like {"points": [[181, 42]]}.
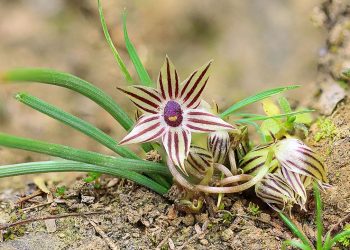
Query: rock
{"points": [[331, 95], [265, 217], [227, 234], [188, 220], [204, 242], [87, 199]]}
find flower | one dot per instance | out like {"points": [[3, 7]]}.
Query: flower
{"points": [[172, 112], [297, 160], [274, 190], [293, 161]]}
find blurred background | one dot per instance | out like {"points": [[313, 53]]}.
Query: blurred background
{"points": [[256, 44]]}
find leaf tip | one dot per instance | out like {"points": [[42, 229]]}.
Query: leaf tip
{"points": [[19, 96]]}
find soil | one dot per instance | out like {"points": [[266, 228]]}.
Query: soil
{"points": [[136, 218]]}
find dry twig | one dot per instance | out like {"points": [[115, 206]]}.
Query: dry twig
{"points": [[165, 240], [28, 197], [336, 226], [104, 236], [21, 222]]}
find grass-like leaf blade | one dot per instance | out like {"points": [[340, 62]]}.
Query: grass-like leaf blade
{"points": [[116, 55], [319, 223], [76, 123], [295, 243], [140, 69], [255, 98], [80, 155], [294, 229], [254, 117], [336, 238], [71, 166], [72, 82]]}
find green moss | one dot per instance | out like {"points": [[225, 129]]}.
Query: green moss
{"points": [[253, 209], [345, 241], [327, 129]]}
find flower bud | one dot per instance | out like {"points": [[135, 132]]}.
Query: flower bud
{"points": [[218, 145], [198, 161]]}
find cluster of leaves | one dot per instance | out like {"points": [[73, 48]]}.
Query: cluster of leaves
{"points": [[304, 242], [282, 120], [153, 175]]}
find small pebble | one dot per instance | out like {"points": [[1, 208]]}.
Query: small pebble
{"points": [[204, 242], [265, 217], [188, 220], [227, 234], [87, 199]]}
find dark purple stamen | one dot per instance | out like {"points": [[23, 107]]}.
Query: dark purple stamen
{"points": [[173, 114]]}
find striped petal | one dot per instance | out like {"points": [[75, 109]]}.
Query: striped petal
{"points": [[219, 144], [168, 81], [201, 121], [148, 128], [192, 87], [177, 145], [275, 192], [294, 181], [145, 98], [256, 158], [295, 156], [198, 161]]}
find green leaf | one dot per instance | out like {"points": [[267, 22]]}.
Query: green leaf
{"points": [[75, 122], [257, 128], [92, 176], [337, 237], [69, 81], [304, 118], [116, 55], [71, 166], [80, 155], [295, 243], [140, 69], [263, 117], [255, 98], [294, 229], [270, 126], [319, 223], [284, 104], [59, 190]]}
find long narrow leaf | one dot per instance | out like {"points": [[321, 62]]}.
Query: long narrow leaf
{"points": [[255, 98], [337, 237], [79, 155], [264, 117], [294, 229], [295, 243], [81, 86], [319, 223], [75, 122], [70, 166], [140, 69], [116, 55], [69, 81]]}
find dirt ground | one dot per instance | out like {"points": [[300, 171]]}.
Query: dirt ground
{"points": [[135, 218]]}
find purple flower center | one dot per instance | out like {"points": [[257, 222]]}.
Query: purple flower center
{"points": [[173, 114]]}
